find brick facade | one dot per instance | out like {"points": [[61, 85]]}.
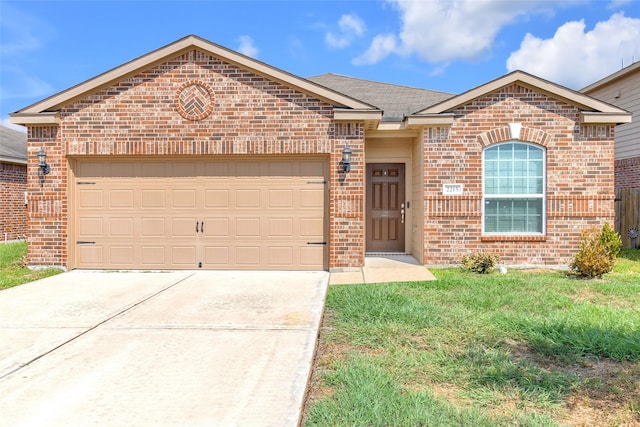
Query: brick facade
{"points": [[251, 116], [202, 101], [628, 173], [13, 211], [579, 179]]}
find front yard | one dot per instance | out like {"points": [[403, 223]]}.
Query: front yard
{"points": [[529, 348], [13, 270]]}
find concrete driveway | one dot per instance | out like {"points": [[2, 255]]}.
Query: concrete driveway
{"points": [[180, 348]]}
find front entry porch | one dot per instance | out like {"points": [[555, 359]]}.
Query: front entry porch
{"points": [[383, 269]]}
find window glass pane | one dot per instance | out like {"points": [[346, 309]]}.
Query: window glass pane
{"points": [[520, 151], [491, 154], [504, 186], [505, 168], [491, 186], [535, 153]]}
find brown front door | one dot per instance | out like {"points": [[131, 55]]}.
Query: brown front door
{"points": [[385, 207]]}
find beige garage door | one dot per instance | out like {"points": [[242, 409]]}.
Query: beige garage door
{"points": [[232, 214]]}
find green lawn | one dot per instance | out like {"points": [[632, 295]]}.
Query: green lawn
{"points": [[521, 349], [12, 269]]}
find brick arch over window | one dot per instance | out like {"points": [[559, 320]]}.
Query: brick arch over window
{"points": [[503, 134]]}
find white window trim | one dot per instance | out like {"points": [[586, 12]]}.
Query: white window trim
{"points": [[543, 196]]}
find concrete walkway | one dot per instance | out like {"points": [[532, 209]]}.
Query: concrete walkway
{"points": [[383, 269], [138, 349]]}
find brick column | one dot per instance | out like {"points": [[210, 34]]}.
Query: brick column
{"points": [[47, 199], [346, 194]]}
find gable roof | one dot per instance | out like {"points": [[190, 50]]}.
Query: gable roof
{"points": [[633, 68], [44, 111], [13, 146], [396, 101], [592, 110]]}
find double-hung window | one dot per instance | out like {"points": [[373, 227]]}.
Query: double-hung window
{"points": [[514, 189]]}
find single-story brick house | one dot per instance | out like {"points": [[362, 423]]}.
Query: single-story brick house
{"points": [[13, 184], [195, 156]]}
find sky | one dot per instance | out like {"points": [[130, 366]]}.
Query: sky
{"points": [[445, 45]]}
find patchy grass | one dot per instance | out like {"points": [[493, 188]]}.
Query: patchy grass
{"points": [[525, 348], [13, 270]]}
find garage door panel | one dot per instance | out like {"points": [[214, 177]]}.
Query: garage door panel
{"points": [[91, 256], [255, 214], [312, 198], [247, 255], [280, 199], [153, 256], [216, 199], [183, 227], [121, 255], [247, 198], [90, 198], [311, 255], [121, 227], [153, 199], [153, 227], [181, 199], [90, 227]]}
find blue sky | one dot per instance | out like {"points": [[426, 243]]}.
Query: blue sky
{"points": [[446, 45]]}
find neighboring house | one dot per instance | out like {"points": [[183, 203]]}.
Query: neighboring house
{"points": [[622, 89], [195, 156], [13, 184]]}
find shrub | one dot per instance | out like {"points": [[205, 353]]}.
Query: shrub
{"points": [[597, 252], [480, 262]]}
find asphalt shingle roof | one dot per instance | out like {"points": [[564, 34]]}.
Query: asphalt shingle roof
{"points": [[13, 146], [395, 101]]}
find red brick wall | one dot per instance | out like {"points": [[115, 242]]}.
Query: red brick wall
{"points": [[47, 201], [579, 186], [628, 173], [13, 211], [249, 115]]}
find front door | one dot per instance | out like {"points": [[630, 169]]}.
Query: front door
{"points": [[385, 207]]}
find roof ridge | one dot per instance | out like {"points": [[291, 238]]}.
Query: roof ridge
{"points": [[381, 83]]}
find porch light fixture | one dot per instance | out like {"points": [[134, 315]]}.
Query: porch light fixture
{"points": [[42, 161], [346, 159]]}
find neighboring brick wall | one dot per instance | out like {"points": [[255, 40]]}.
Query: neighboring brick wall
{"points": [[579, 178], [13, 211], [628, 173], [250, 115]]}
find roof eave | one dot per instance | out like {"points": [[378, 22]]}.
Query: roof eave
{"points": [[43, 118], [611, 78], [591, 117]]}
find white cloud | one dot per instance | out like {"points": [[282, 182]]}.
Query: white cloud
{"points": [[351, 26], [616, 4], [575, 57], [379, 49], [444, 30], [247, 46], [7, 123]]}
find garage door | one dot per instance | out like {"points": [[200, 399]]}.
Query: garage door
{"points": [[232, 214]]}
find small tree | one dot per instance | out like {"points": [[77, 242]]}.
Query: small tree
{"points": [[597, 252]]}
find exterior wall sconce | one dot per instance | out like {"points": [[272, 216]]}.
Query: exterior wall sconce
{"points": [[42, 161], [346, 159]]}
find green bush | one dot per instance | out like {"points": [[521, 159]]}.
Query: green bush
{"points": [[480, 262], [597, 252]]}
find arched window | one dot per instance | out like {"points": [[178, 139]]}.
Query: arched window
{"points": [[514, 189]]}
